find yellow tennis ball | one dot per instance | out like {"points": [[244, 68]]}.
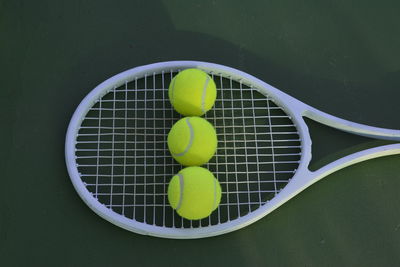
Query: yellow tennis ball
{"points": [[192, 141], [192, 92], [194, 193]]}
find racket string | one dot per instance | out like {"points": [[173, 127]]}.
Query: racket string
{"points": [[124, 161]]}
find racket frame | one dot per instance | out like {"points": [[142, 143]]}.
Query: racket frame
{"points": [[296, 110]]}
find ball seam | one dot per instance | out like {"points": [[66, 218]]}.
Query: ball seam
{"points": [[215, 194], [203, 96], [190, 140], [181, 188], [172, 91]]}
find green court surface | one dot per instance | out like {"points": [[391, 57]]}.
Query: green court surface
{"points": [[339, 56]]}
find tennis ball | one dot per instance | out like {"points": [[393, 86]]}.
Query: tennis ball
{"points": [[194, 193], [192, 92], [192, 141]]}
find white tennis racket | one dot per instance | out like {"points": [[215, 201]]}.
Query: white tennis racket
{"points": [[119, 163]]}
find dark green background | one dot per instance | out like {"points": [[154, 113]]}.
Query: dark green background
{"points": [[340, 56]]}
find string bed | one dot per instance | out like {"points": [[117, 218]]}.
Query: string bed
{"points": [[123, 158]]}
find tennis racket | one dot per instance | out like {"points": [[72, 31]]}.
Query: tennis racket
{"points": [[119, 163]]}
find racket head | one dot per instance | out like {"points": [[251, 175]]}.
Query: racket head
{"points": [[181, 228]]}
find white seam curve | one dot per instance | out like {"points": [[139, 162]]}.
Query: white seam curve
{"points": [[172, 91], [215, 194], [181, 186], [203, 96], [190, 140]]}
